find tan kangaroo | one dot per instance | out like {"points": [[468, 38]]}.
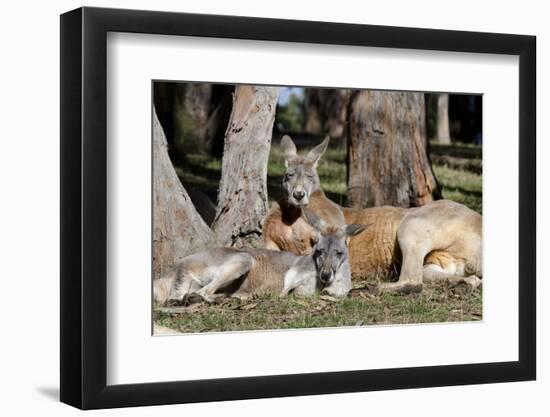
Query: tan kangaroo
{"points": [[438, 241], [242, 273]]}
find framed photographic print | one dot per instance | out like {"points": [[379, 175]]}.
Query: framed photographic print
{"points": [[257, 208]]}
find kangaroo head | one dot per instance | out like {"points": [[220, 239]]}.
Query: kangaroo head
{"points": [[330, 250], [301, 178]]}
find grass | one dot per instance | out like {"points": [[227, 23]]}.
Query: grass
{"points": [[436, 303], [462, 186]]}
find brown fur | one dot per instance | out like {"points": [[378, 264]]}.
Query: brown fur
{"points": [[266, 274], [383, 257], [376, 251], [285, 228]]}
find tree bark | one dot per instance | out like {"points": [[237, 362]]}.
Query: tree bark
{"points": [[178, 229], [242, 197], [387, 161], [326, 111], [443, 134]]}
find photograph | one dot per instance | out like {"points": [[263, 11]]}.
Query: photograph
{"points": [[293, 207]]}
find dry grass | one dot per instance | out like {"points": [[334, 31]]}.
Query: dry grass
{"points": [[435, 304]]}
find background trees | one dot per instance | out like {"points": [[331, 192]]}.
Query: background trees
{"points": [[443, 134], [193, 115], [325, 111], [216, 166]]}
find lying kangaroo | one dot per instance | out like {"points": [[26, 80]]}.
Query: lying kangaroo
{"points": [[245, 272], [438, 241]]}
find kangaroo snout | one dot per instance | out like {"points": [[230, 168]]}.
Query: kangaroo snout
{"points": [[298, 195], [325, 276]]}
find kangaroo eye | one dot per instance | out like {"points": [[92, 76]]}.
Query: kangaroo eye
{"points": [[339, 254]]}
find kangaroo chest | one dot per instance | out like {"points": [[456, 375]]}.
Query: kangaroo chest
{"points": [[297, 237]]}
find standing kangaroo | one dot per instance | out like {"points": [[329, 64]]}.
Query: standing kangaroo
{"points": [[245, 272], [438, 241]]}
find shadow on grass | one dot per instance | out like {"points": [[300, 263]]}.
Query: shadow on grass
{"points": [[456, 150], [466, 192], [197, 175]]}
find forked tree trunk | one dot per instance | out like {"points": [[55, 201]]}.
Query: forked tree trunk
{"points": [[242, 197], [178, 229], [443, 134], [387, 161]]}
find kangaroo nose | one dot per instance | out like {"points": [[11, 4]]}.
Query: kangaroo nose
{"points": [[298, 195], [325, 276]]}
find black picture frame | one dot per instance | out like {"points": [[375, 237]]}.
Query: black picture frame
{"points": [[84, 207]]}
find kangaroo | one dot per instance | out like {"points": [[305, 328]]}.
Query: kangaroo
{"points": [[242, 273], [440, 241], [288, 228]]}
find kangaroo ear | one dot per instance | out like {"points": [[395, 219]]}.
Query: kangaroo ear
{"points": [[289, 148], [316, 153], [315, 221], [355, 229]]}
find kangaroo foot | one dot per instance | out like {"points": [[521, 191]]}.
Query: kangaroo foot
{"points": [[368, 290], [338, 293], [474, 281], [401, 287], [207, 297], [241, 296], [470, 283], [191, 298]]}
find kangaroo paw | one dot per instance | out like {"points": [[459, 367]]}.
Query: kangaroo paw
{"points": [[471, 283], [209, 298]]}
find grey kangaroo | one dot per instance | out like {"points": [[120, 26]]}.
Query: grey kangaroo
{"points": [[242, 273]]}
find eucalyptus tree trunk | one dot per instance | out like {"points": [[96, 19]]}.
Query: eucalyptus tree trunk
{"points": [[242, 197], [443, 134], [178, 229], [387, 161]]}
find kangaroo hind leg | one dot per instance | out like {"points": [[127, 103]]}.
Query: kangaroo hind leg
{"points": [[435, 273], [415, 244], [230, 269], [182, 287]]}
